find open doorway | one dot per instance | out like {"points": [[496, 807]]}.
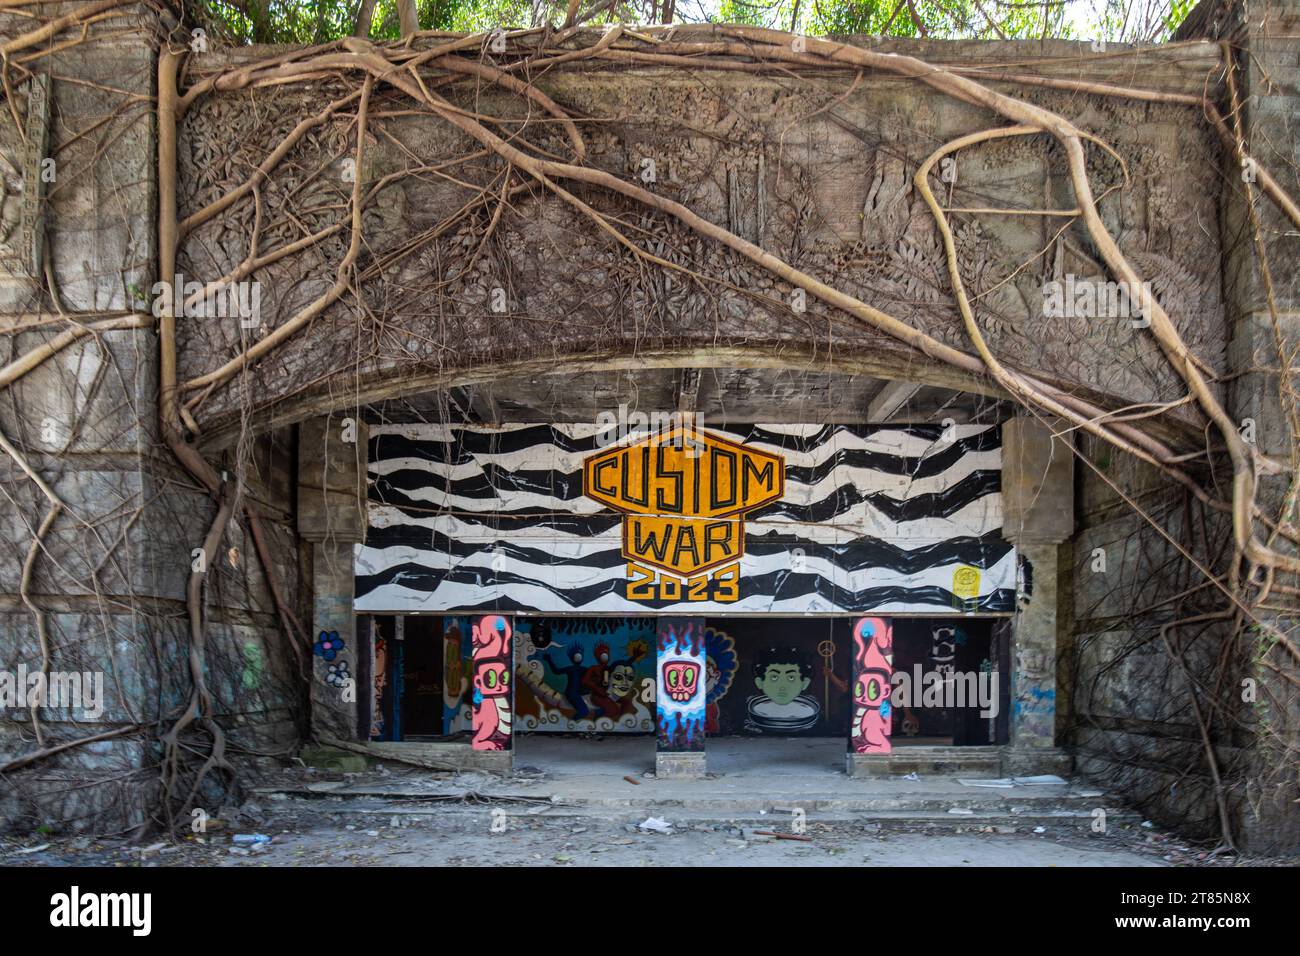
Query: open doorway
{"points": [[407, 673], [584, 693], [951, 681], [780, 695], [422, 671]]}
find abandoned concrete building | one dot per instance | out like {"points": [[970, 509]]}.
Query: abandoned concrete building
{"points": [[426, 398]]}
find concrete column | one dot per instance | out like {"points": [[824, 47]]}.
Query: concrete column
{"points": [[872, 723], [1038, 515], [332, 517], [1268, 60], [493, 638], [679, 697]]}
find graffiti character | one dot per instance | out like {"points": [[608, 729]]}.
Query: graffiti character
{"points": [[491, 640], [573, 673], [595, 681], [873, 646], [623, 680], [679, 685], [491, 636], [681, 680], [492, 679], [782, 676]]}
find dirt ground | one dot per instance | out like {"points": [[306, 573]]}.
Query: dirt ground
{"points": [[395, 815], [458, 836]]}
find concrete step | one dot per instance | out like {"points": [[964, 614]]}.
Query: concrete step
{"points": [[950, 810], [1019, 820], [975, 799]]}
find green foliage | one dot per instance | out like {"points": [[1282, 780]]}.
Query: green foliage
{"points": [[316, 21]]}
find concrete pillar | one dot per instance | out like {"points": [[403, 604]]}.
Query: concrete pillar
{"points": [[1038, 516], [1268, 61], [493, 639], [679, 697], [872, 722], [332, 517]]}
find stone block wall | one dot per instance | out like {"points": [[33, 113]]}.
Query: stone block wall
{"points": [[109, 580]]}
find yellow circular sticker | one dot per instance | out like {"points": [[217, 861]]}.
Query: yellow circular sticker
{"points": [[966, 582]]}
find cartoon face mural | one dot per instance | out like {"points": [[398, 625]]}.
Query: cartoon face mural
{"points": [[782, 676], [622, 681], [872, 660], [492, 679], [679, 695], [585, 675], [492, 716], [681, 678], [782, 682]]}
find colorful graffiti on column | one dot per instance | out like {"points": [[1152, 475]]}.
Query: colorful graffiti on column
{"points": [[458, 672], [873, 645], [680, 684], [492, 647]]}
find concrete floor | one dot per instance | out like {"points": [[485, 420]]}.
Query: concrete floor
{"points": [[734, 756]]}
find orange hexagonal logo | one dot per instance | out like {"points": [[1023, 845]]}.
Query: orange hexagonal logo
{"points": [[684, 493]]}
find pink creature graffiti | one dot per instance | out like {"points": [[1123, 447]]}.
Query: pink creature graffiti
{"points": [[873, 645], [681, 678], [491, 637]]}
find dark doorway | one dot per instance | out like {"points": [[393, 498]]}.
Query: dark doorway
{"points": [[951, 683], [422, 678]]}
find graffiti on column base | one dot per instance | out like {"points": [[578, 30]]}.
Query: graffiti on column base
{"points": [[1034, 712], [491, 638], [680, 685], [873, 644]]}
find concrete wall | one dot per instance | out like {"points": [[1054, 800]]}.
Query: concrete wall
{"points": [[1133, 726], [829, 190], [111, 577]]}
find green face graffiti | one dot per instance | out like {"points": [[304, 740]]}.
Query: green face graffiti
{"points": [[782, 683]]}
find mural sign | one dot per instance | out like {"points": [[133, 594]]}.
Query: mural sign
{"points": [[683, 494], [780, 519]]}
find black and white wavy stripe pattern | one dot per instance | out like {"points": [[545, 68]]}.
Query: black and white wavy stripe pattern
{"points": [[873, 518]]}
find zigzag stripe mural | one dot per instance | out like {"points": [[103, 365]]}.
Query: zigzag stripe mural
{"points": [[865, 519]]}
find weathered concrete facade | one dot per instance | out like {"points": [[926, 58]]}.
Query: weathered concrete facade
{"points": [[831, 192], [111, 574]]}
